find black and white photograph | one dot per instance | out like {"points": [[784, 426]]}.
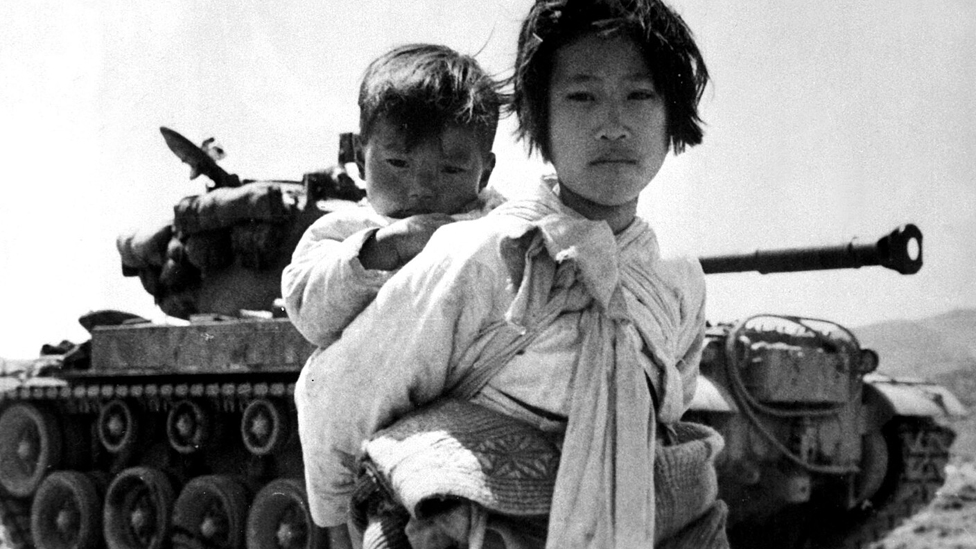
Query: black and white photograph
{"points": [[493, 274]]}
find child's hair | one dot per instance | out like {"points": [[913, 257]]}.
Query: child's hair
{"points": [[667, 45], [422, 88]]}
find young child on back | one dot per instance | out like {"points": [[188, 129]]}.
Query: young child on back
{"points": [[428, 117]]}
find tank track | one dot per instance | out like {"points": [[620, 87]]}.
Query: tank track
{"points": [[82, 398], [919, 451], [86, 397]]}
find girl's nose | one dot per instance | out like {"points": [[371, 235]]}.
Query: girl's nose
{"points": [[613, 126]]}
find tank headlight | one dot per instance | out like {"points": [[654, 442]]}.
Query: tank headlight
{"points": [[869, 361]]}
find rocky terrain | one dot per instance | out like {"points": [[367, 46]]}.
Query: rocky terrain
{"points": [[949, 522]]}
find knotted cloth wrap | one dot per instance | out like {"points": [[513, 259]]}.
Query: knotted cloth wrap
{"points": [[604, 494]]}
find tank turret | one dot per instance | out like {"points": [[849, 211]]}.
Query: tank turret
{"points": [[900, 251]]}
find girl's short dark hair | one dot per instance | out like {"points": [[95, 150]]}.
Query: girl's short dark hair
{"points": [[665, 40], [423, 88]]}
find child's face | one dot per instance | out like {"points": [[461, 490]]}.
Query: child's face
{"points": [[607, 123], [438, 175]]}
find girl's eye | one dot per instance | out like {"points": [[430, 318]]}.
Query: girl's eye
{"points": [[453, 170], [396, 162], [580, 96], [642, 95]]}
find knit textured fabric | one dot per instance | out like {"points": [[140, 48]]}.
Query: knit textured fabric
{"points": [[685, 482], [456, 449], [706, 532]]}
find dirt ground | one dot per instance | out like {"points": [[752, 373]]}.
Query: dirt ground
{"points": [[949, 522]]}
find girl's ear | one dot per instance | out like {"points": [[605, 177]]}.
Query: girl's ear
{"points": [[486, 171]]}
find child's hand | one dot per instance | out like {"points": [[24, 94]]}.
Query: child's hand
{"points": [[399, 242]]}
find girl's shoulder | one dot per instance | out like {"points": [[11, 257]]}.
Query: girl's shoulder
{"points": [[683, 268], [685, 276], [681, 274]]}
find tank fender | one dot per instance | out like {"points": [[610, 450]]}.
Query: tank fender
{"points": [[712, 397], [906, 397]]}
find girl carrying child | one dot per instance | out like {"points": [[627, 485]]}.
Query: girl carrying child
{"points": [[557, 313]]}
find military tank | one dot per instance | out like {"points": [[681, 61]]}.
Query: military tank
{"points": [[820, 450], [182, 433]]}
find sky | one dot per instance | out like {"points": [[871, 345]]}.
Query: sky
{"points": [[824, 122]]}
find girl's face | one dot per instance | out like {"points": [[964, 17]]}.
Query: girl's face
{"points": [[607, 123]]}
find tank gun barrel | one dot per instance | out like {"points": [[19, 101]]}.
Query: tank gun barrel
{"points": [[901, 251]]}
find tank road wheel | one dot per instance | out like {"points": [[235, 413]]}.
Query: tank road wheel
{"points": [[280, 518], [264, 427], [118, 426], [67, 512], [210, 512], [31, 447], [874, 467], [137, 509], [188, 426]]}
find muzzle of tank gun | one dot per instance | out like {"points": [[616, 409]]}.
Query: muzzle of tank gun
{"points": [[900, 251]]}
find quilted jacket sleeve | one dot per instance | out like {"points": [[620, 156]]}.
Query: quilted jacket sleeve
{"points": [[325, 286]]}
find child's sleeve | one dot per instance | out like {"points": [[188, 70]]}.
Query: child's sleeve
{"points": [[325, 286], [394, 357]]}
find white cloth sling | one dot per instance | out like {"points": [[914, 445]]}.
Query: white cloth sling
{"points": [[604, 495]]}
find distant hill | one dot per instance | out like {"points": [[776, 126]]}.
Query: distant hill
{"points": [[928, 346], [941, 348]]}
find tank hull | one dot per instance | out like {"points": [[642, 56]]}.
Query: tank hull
{"points": [[210, 401]]}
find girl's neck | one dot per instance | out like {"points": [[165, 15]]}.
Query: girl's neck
{"points": [[618, 217]]}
